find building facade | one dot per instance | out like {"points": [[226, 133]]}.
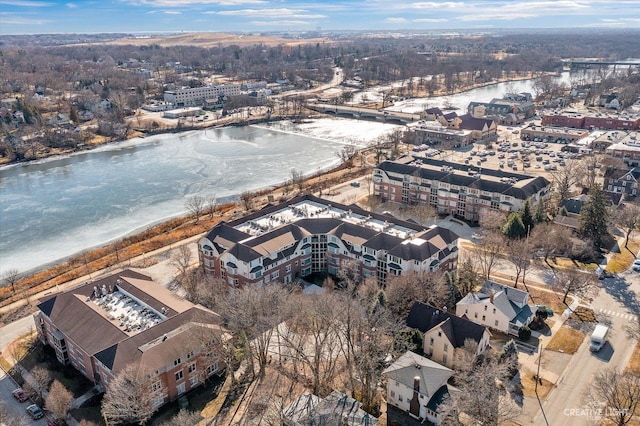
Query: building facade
{"points": [[452, 189], [196, 96], [594, 120], [309, 234], [625, 182], [125, 319]]}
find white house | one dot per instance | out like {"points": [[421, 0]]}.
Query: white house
{"points": [[497, 306], [417, 386], [444, 334]]}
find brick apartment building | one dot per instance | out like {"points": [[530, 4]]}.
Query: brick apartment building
{"points": [[309, 234], [452, 188], [103, 326], [599, 120]]}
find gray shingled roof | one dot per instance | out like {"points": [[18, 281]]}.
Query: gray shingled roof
{"points": [[426, 317], [410, 365]]}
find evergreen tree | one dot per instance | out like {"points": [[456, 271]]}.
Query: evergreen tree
{"points": [[73, 115], [509, 356], [452, 286], [539, 215], [563, 211], [526, 217], [514, 228], [594, 216]]}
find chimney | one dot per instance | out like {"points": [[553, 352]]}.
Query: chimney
{"points": [[444, 309], [414, 404], [491, 298]]}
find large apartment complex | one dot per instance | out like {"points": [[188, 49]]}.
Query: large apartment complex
{"points": [[197, 96], [456, 189], [309, 234], [125, 319]]}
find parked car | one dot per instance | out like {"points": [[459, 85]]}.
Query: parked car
{"points": [[20, 395], [35, 412], [355, 184], [636, 265]]}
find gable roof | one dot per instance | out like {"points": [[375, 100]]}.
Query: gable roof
{"points": [[512, 302], [573, 205], [425, 317], [411, 365], [337, 409]]}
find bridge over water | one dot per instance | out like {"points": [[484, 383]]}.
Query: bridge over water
{"points": [[364, 113], [583, 64]]}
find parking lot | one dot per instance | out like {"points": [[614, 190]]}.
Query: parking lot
{"points": [[15, 407]]}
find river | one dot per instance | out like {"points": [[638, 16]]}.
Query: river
{"points": [[53, 209]]}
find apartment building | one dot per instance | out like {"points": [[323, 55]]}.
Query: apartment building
{"points": [[456, 189], [309, 234], [513, 106], [592, 120], [103, 326], [196, 96]]}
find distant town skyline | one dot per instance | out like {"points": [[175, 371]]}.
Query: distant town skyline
{"points": [[139, 16]]}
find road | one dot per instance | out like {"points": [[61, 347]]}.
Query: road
{"points": [[616, 305]]}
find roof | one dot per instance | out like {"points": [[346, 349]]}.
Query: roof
{"points": [[573, 205], [411, 365], [512, 302], [426, 317], [337, 409], [470, 122]]}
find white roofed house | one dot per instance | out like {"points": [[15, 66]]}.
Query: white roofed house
{"points": [[497, 306], [417, 386]]}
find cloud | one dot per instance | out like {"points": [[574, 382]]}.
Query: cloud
{"points": [[72, 5], [436, 5], [11, 19], [172, 12], [284, 23], [396, 20], [429, 20], [26, 3], [277, 13]]}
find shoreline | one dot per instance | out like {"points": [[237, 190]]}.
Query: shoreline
{"points": [[233, 123]]}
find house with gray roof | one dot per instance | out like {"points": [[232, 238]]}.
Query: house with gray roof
{"points": [[417, 386], [456, 189], [445, 334], [105, 325], [497, 306], [336, 409], [309, 234]]}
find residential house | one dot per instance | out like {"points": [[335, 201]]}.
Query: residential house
{"points": [[336, 409], [417, 386], [456, 189], [103, 326], [59, 119], [444, 334], [497, 306], [625, 182], [309, 234], [609, 101]]}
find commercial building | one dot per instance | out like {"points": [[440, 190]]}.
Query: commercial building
{"points": [[466, 127], [627, 148], [309, 234], [552, 134], [592, 120], [512, 109], [125, 319], [456, 189], [196, 96]]}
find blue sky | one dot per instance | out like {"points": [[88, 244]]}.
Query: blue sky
{"points": [[93, 16]]}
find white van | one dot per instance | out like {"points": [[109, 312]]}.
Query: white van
{"points": [[598, 337]]}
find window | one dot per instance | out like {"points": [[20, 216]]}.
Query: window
{"points": [[444, 358], [494, 310], [393, 394], [156, 386], [177, 362], [287, 268], [446, 347], [192, 367], [275, 275], [190, 355], [157, 401], [212, 369], [193, 381], [483, 317], [496, 323], [181, 388], [431, 341], [475, 315], [485, 307], [179, 375], [439, 333], [400, 398]]}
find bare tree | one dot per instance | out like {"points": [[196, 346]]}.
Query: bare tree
{"points": [[183, 418], [181, 259], [619, 392], [297, 179], [563, 180], [59, 400], [492, 220], [212, 204], [574, 281], [41, 379], [11, 277], [403, 290], [346, 153], [551, 239], [520, 253], [488, 251], [255, 312], [196, 205], [247, 200], [627, 218], [128, 399]]}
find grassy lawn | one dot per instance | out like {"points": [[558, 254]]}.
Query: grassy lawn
{"points": [[634, 363], [549, 299], [584, 314], [623, 259], [529, 385], [566, 340]]}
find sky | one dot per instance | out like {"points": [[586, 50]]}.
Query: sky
{"points": [[142, 16]]}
